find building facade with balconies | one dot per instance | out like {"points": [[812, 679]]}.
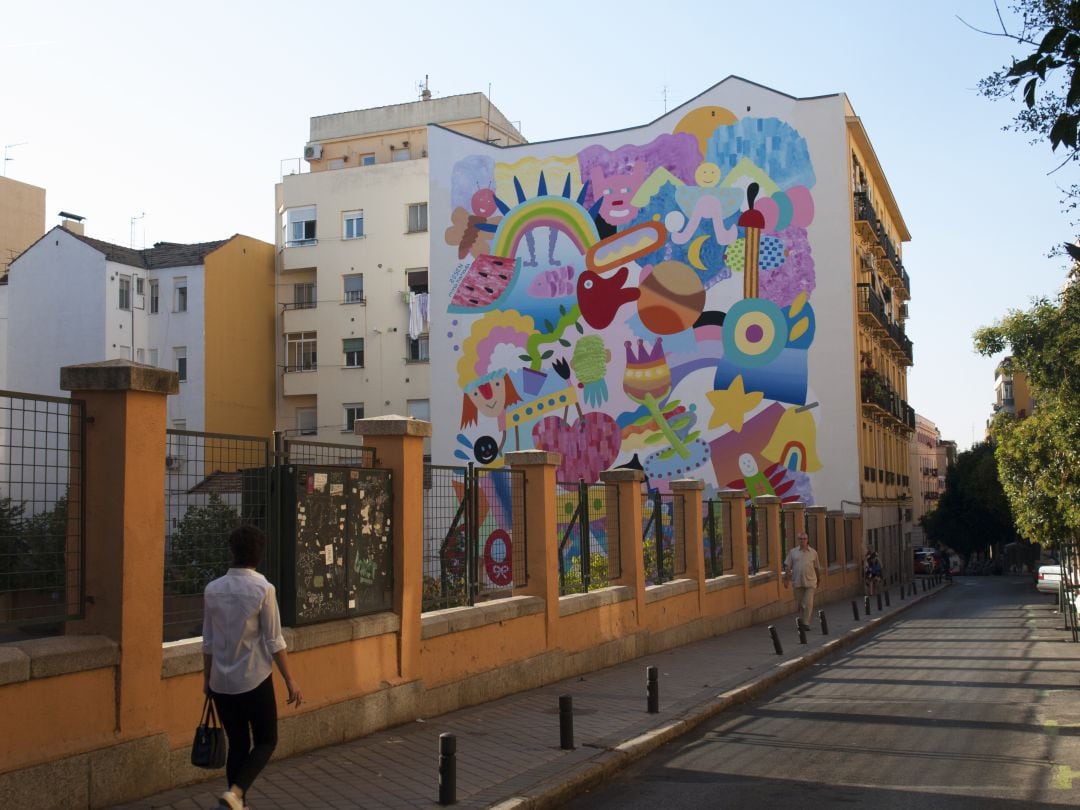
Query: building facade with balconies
{"points": [[352, 264], [930, 458], [1012, 394]]}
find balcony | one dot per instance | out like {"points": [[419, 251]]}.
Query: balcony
{"points": [[299, 318], [297, 256], [870, 307], [298, 382], [881, 401], [866, 219]]}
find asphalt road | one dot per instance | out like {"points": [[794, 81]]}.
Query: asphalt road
{"points": [[969, 700]]}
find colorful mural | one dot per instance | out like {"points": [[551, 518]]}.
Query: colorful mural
{"points": [[645, 306]]}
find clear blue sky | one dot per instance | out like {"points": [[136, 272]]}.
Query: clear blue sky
{"points": [[186, 112]]}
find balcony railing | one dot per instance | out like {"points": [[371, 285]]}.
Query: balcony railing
{"points": [[876, 392], [870, 303], [866, 218], [871, 227]]}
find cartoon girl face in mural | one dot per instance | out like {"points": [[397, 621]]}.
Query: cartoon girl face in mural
{"points": [[489, 397]]}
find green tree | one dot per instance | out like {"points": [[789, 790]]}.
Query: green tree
{"points": [[1045, 76], [11, 516], [974, 513], [199, 550]]}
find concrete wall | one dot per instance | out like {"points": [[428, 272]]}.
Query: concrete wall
{"points": [[139, 699]]}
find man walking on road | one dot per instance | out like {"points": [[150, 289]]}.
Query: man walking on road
{"points": [[801, 570]]}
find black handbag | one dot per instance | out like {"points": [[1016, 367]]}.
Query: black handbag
{"points": [[208, 747]]}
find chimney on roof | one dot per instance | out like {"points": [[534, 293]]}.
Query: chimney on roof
{"points": [[425, 90], [72, 222]]}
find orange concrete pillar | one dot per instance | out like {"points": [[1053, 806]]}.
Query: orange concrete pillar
{"points": [[124, 490], [627, 484], [693, 523], [542, 551], [734, 504], [399, 447]]}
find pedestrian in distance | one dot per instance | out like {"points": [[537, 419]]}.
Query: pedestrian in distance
{"points": [[872, 575], [800, 570], [241, 638]]}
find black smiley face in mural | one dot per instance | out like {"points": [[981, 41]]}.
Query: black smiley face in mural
{"points": [[486, 449]]}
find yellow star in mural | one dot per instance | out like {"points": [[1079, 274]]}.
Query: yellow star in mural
{"points": [[732, 404]]}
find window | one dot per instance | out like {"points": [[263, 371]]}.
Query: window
{"points": [[307, 421], [417, 217], [417, 350], [301, 351], [353, 224], [337, 163], [125, 292], [354, 288], [180, 294], [299, 226], [367, 160], [417, 280], [140, 356], [304, 296], [353, 411], [354, 352], [401, 154], [419, 409], [154, 296], [152, 357], [180, 353]]}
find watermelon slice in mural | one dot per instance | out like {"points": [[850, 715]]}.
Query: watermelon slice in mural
{"points": [[645, 303]]}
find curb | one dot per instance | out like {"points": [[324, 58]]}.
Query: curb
{"points": [[613, 760]]}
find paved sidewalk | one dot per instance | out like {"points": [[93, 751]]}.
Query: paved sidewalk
{"points": [[508, 749]]}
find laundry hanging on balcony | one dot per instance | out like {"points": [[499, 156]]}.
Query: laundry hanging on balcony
{"points": [[418, 314]]}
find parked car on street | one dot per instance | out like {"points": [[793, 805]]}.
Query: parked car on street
{"points": [[925, 562], [1048, 579]]}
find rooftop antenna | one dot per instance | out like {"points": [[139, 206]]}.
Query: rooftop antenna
{"points": [[7, 149], [135, 219], [425, 89], [665, 99]]}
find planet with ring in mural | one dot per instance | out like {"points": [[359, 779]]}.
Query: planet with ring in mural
{"points": [[672, 298]]}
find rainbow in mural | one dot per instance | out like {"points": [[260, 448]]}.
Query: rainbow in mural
{"points": [[645, 304]]}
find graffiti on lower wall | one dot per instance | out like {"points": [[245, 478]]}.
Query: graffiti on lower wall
{"points": [[648, 306]]}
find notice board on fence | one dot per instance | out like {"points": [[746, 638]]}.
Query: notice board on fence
{"points": [[337, 550]]}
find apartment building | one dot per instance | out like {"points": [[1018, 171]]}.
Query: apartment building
{"points": [[930, 459], [205, 310], [716, 294], [22, 220], [1012, 394], [352, 270]]}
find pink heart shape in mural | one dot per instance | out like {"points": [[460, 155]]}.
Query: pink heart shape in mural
{"points": [[587, 447]]}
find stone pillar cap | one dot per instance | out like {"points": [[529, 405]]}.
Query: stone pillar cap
{"points": [[532, 458], [391, 425], [119, 375], [687, 484], [620, 475]]}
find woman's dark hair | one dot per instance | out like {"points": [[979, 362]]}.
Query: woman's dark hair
{"points": [[247, 544]]}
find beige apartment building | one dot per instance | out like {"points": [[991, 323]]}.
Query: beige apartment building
{"points": [[352, 263], [930, 457], [22, 222]]}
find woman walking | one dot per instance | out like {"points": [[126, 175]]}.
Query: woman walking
{"points": [[241, 637]]}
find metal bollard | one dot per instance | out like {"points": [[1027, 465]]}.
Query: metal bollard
{"points": [[914, 588], [855, 609], [566, 722], [903, 588], [879, 608], [652, 689], [776, 640], [886, 600], [924, 586], [824, 623], [866, 605], [447, 768], [801, 628]]}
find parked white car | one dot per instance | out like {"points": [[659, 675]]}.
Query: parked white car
{"points": [[1048, 579]]}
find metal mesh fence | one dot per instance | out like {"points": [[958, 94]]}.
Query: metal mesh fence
{"points": [[849, 540], [475, 546], [663, 537], [713, 535], [830, 540], [42, 469], [753, 550], [812, 533], [587, 526], [787, 533], [213, 482]]}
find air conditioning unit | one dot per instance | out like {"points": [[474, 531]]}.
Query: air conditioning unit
{"points": [[313, 151], [173, 462]]}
